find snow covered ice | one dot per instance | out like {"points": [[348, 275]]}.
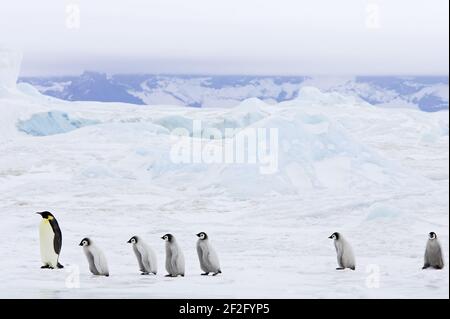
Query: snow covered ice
{"points": [[9, 67], [380, 176]]}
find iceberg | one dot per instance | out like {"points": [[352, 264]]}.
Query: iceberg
{"points": [[51, 123]]}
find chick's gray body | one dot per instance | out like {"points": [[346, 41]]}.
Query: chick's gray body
{"points": [[174, 257], [209, 261], [145, 256], [345, 256], [95, 257], [433, 253]]}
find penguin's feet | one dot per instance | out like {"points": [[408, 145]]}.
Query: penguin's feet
{"points": [[59, 266], [145, 273], [426, 267], [215, 274], [45, 267], [352, 268], [169, 275], [205, 274], [340, 268]]}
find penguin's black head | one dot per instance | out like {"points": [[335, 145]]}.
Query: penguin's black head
{"points": [[85, 242], [432, 235], [133, 240], [202, 236], [335, 236], [46, 215], [167, 237]]}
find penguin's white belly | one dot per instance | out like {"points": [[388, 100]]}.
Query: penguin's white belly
{"points": [[48, 255]]}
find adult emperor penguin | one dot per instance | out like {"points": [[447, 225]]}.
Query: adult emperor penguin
{"points": [[174, 257], [344, 251], [50, 241], [145, 255], [209, 262], [96, 259], [433, 253]]}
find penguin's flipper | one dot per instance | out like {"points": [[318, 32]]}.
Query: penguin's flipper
{"points": [[57, 240], [59, 266], [139, 259]]}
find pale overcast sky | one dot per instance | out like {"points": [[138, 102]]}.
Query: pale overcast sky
{"points": [[229, 36]]}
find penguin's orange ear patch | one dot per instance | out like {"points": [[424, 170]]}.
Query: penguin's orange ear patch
{"points": [[50, 218]]}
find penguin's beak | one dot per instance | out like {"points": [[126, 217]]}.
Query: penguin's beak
{"points": [[162, 238], [331, 237], [129, 242], [81, 244], [39, 214], [198, 235]]}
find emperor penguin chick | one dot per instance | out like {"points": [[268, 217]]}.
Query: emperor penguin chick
{"points": [[145, 255], [50, 241], [433, 253], [174, 257], [96, 259], [209, 261], [345, 257]]}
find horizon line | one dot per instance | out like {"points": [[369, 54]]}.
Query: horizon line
{"points": [[206, 74]]}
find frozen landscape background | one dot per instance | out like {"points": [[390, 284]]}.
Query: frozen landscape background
{"points": [[379, 175], [427, 93]]}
